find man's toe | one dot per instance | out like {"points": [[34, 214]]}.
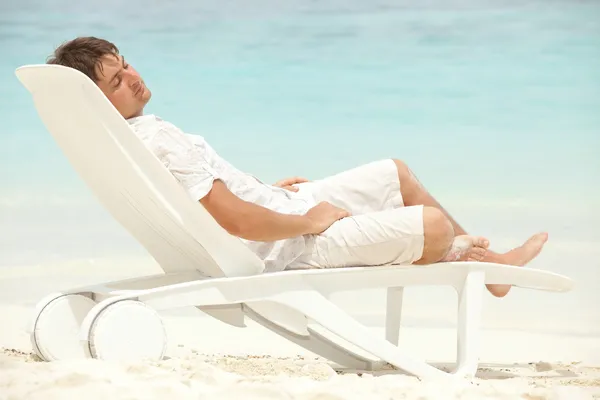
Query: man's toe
{"points": [[481, 242]]}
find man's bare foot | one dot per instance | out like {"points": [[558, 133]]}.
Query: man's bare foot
{"points": [[519, 256], [467, 248]]}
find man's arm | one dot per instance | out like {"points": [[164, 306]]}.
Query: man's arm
{"points": [[240, 218], [253, 222]]}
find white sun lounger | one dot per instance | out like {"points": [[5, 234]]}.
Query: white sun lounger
{"points": [[207, 268]]}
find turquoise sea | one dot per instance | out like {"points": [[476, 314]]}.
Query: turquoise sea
{"points": [[494, 104]]}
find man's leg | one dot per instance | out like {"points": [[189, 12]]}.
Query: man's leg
{"points": [[401, 235], [467, 247]]}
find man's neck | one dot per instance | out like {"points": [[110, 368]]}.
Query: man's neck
{"points": [[138, 114]]}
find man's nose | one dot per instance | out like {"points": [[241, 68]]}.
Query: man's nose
{"points": [[130, 74], [132, 79]]}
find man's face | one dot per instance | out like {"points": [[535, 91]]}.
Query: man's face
{"points": [[123, 86]]}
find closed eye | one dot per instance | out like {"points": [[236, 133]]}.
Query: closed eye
{"points": [[118, 79]]}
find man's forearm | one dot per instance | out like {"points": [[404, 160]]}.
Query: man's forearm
{"points": [[261, 224], [251, 221]]}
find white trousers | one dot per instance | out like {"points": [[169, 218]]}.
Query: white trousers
{"points": [[381, 230]]}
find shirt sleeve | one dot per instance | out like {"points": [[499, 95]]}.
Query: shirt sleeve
{"points": [[184, 160]]}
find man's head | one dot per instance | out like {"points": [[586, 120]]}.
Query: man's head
{"points": [[100, 61]]}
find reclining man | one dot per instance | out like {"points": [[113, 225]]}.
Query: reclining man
{"points": [[371, 215]]}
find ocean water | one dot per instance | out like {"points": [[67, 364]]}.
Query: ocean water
{"points": [[494, 104]]}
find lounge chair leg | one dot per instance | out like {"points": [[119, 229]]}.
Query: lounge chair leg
{"points": [[393, 314], [316, 343], [325, 313], [470, 302]]}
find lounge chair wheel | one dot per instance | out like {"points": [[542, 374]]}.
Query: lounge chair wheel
{"points": [[55, 330], [127, 330]]}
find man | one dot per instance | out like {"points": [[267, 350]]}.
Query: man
{"points": [[374, 214]]}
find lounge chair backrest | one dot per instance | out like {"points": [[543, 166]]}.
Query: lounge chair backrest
{"points": [[129, 180]]}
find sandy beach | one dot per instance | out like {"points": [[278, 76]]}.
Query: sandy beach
{"points": [[207, 359]]}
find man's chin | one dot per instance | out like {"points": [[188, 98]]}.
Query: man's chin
{"points": [[147, 96]]}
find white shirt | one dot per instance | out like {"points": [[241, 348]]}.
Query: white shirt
{"points": [[196, 165]]}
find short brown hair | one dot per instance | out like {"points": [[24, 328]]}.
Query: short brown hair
{"points": [[83, 54]]}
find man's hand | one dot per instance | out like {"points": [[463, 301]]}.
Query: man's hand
{"points": [[323, 215], [287, 183]]}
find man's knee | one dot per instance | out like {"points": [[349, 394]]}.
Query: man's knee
{"points": [[403, 170], [409, 186], [439, 235]]}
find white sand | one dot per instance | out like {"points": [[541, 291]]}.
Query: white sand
{"points": [[210, 360]]}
